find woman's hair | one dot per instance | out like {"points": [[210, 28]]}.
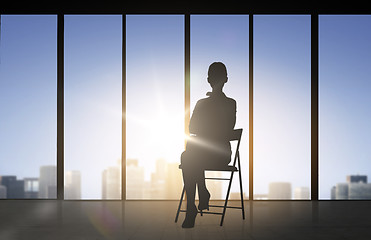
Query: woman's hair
{"points": [[217, 73], [217, 69]]}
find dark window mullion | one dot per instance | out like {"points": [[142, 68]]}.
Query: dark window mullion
{"points": [[187, 64], [314, 107], [60, 107], [251, 105], [123, 134]]}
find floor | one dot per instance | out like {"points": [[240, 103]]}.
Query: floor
{"points": [[93, 220]]}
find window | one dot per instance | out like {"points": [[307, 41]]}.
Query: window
{"points": [[282, 107], [155, 105], [344, 116], [28, 106], [155, 99], [93, 113]]}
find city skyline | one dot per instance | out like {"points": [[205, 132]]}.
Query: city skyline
{"points": [[165, 183]]}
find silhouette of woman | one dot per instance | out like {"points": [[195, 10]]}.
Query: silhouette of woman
{"points": [[212, 121]]}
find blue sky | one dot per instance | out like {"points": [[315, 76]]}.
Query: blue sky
{"points": [[155, 88], [281, 101], [93, 83], [28, 90], [345, 130]]}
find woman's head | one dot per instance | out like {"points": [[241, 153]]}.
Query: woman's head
{"points": [[217, 74]]}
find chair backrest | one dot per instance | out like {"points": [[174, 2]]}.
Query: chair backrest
{"points": [[236, 135]]}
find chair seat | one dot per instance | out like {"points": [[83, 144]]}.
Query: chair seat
{"points": [[228, 168], [236, 135]]}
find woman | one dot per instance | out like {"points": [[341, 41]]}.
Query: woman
{"points": [[212, 120]]}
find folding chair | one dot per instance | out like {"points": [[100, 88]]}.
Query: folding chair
{"points": [[235, 136]]}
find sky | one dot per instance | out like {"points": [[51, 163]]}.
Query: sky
{"points": [[281, 101], [155, 93], [155, 89], [93, 85], [28, 87]]}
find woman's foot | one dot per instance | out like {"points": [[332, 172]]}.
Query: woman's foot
{"points": [[189, 221], [204, 200]]}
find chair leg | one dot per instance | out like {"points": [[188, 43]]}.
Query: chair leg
{"points": [[226, 199], [241, 191], [180, 205]]}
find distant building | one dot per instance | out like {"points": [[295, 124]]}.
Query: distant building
{"points": [[111, 183], [279, 190], [357, 178], [161, 169], [214, 186], [72, 187], [2, 192], [302, 193], [356, 187], [174, 181], [359, 190], [157, 186], [14, 187], [341, 191], [333, 193], [48, 182], [135, 185], [31, 187]]}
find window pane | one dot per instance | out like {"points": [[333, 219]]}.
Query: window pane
{"points": [[345, 57], [155, 106], [93, 113], [282, 107], [223, 38], [28, 106]]}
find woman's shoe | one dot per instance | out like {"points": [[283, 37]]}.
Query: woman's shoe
{"points": [[204, 201], [189, 221]]}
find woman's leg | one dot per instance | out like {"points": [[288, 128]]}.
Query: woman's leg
{"points": [[189, 181], [203, 193]]}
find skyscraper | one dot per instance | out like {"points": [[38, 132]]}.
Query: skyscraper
{"points": [[214, 186], [48, 182], [301, 193], [341, 191], [2, 191], [111, 183], [31, 187], [356, 178], [14, 187], [359, 190], [333, 193], [72, 187], [279, 190], [159, 180], [174, 181], [135, 185], [356, 187]]}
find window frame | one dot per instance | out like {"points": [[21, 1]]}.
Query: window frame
{"points": [[9, 9]]}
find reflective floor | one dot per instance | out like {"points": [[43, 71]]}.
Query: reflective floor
{"points": [[42, 219]]}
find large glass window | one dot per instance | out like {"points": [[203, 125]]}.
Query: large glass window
{"points": [[155, 105], [282, 78], [93, 112], [344, 84], [28, 106], [223, 38]]}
